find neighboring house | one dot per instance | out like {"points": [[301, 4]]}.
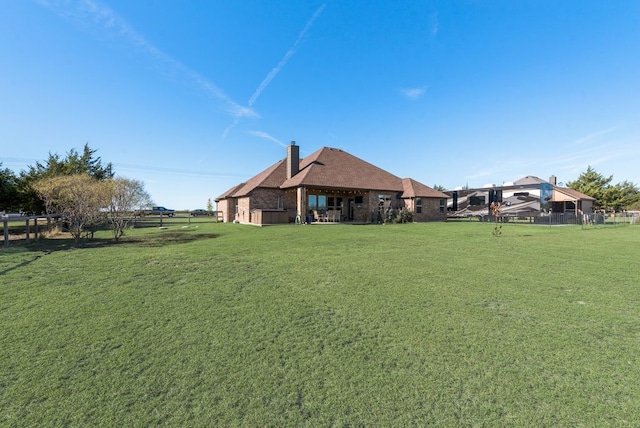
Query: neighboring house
{"points": [[528, 197], [328, 185]]}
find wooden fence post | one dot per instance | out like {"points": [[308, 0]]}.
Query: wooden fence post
{"points": [[6, 233]]}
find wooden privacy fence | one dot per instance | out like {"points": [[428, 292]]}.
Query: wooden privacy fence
{"points": [[6, 219]]}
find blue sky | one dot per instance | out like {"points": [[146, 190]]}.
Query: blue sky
{"points": [[193, 97]]}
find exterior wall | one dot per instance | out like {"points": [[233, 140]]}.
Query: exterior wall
{"points": [[244, 210], [370, 209], [430, 210], [268, 199], [273, 199], [228, 208], [367, 210]]}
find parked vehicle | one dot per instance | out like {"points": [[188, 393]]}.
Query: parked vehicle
{"points": [[162, 211], [198, 212], [156, 211]]}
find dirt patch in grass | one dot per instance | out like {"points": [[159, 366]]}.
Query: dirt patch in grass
{"points": [[169, 238]]}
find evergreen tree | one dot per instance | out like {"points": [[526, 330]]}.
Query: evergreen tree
{"points": [[608, 197], [9, 193], [623, 195], [74, 163]]}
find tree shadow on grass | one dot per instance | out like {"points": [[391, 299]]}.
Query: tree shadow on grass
{"points": [[47, 246]]}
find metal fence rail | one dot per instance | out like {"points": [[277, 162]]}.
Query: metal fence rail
{"points": [[595, 219]]}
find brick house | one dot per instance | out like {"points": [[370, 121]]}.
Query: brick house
{"points": [[329, 185]]}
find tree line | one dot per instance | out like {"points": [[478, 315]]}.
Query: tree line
{"points": [[79, 188], [84, 192], [608, 197]]}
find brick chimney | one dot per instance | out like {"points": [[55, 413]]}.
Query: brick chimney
{"points": [[553, 180], [293, 160]]}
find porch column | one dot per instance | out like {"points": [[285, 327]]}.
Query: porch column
{"points": [[301, 203]]}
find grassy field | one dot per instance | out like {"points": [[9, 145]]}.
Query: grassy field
{"points": [[421, 324]]}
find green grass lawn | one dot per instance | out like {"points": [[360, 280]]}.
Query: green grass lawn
{"points": [[437, 324]]}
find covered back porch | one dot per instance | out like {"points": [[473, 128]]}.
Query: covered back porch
{"points": [[330, 205]]}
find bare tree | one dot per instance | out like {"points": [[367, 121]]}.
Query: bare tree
{"points": [[125, 196], [77, 198]]}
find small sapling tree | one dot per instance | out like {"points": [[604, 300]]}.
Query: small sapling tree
{"points": [[125, 195], [209, 207], [496, 208]]}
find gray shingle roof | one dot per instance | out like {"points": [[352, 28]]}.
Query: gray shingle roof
{"points": [[529, 179]]}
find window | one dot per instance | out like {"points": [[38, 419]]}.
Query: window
{"points": [[476, 200], [334, 203], [418, 205], [317, 202], [443, 204]]}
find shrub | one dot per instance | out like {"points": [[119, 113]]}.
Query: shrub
{"points": [[401, 216]]}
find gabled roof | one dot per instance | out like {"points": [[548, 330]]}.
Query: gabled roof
{"points": [[332, 168], [529, 179], [229, 192], [414, 189], [271, 177], [567, 194]]}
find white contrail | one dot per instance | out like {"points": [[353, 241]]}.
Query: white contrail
{"points": [[96, 16], [595, 135], [266, 136], [274, 72]]}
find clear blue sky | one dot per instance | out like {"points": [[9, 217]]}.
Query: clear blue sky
{"points": [[193, 97]]}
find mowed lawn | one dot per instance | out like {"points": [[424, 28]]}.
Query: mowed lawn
{"points": [[438, 324]]}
